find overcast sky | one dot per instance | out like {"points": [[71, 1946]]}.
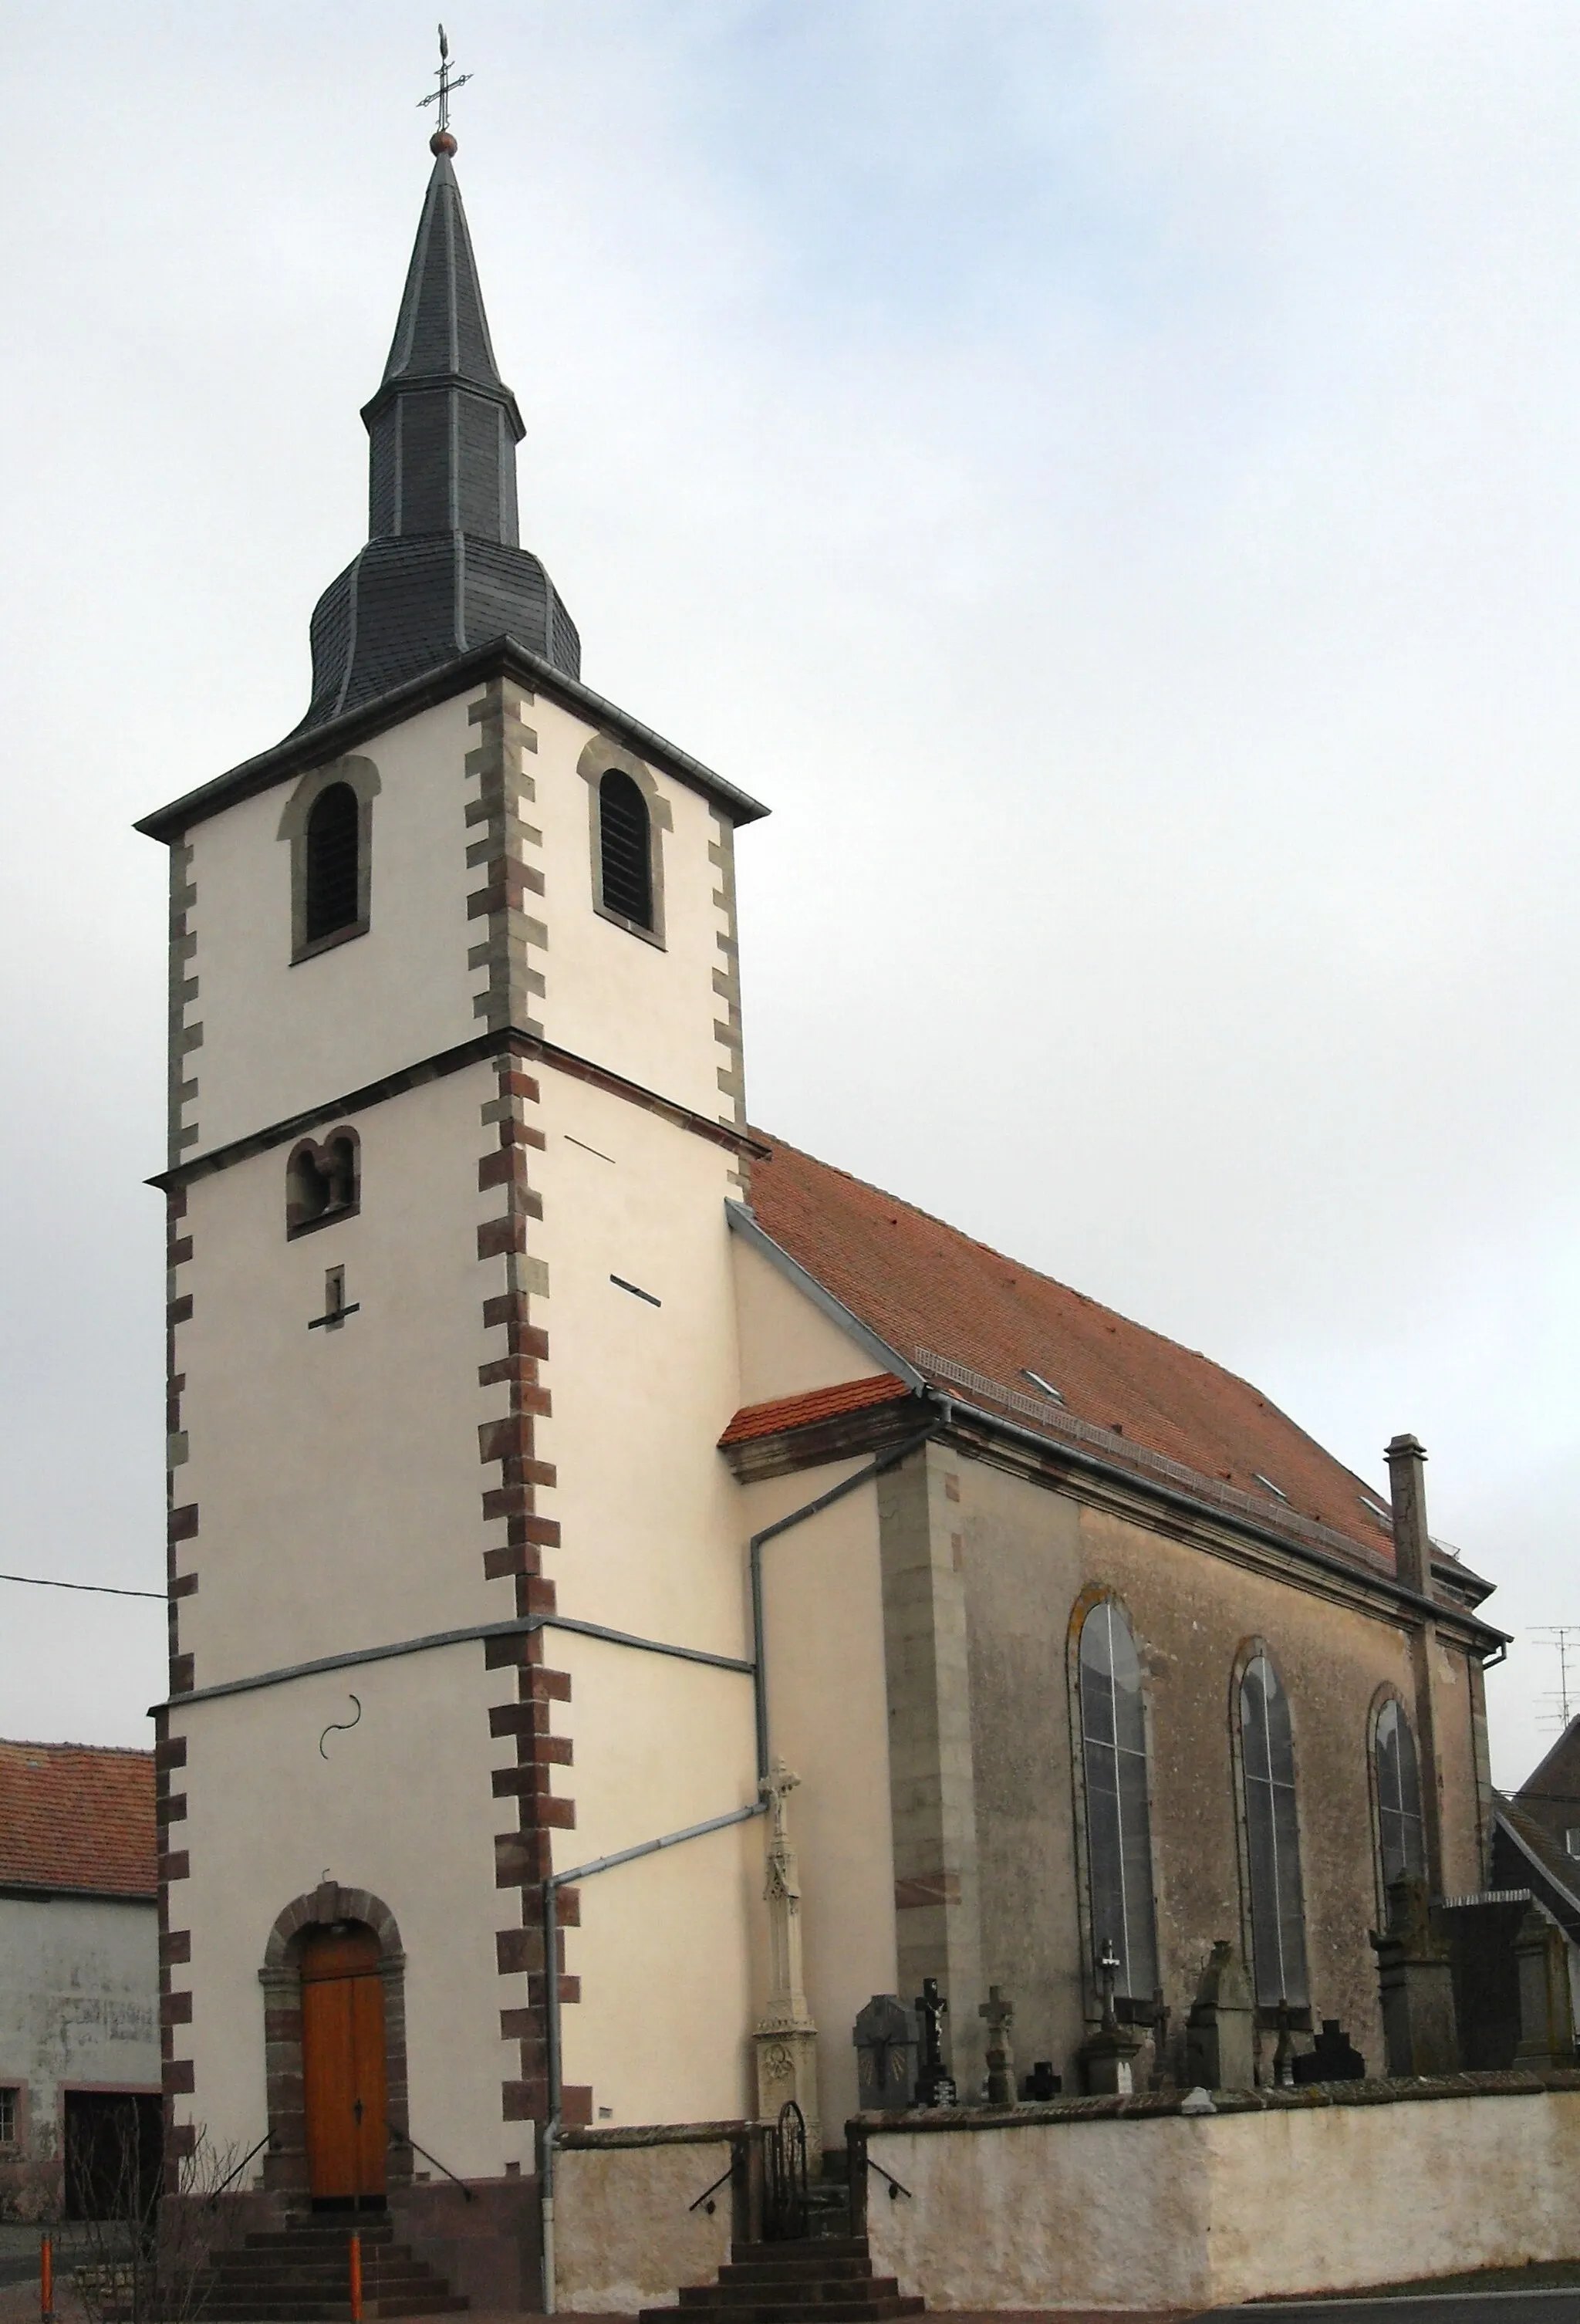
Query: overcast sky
{"points": [[1108, 476]]}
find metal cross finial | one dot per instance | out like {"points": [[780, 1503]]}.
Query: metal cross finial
{"points": [[447, 81]]}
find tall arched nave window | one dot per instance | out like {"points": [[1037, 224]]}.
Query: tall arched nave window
{"points": [[1401, 1833], [1113, 1727], [1273, 1837]]}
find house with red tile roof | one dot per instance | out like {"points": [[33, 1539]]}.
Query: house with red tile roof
{"points": [[79, 1965]]}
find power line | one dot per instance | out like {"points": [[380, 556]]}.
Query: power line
{"points": [[99, 1589]]}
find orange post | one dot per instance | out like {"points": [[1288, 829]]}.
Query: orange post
{"points": [[356, 2314], [46, 2281]]}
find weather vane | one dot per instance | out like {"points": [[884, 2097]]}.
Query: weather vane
{"points": [[441, 96]]}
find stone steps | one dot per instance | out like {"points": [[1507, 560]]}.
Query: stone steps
{"points": [[825, 2279], [300, 2273]]}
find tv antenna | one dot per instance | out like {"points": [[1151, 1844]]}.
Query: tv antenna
{"points": [[1564, 1640]]}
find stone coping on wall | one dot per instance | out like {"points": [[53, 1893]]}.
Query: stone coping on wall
{"points": [[1156, 2104], [663, 2133]]}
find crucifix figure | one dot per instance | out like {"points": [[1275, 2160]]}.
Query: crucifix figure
{"points": [[934, 2085], [1109, 1970], [441, 141], [999, 2015]]}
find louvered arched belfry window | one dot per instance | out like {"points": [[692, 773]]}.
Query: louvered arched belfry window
{"points": [[1400, 1833], [626, 849], [333, 880], [1113, 1732], [1273, 1837]]}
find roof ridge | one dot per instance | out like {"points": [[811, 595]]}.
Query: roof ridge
{"points": [[105, 1750], [1098, 1306]]}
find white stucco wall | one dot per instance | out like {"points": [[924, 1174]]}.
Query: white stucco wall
{"points": [[639, 1010], [78, 2004], [338, 1478], [278, 1037], [626, 2235], [828, 1719], [1172, 2212], [787, 1345]]}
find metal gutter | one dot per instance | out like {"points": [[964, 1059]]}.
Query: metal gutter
{"points": [[313, 747], [1151, 1488]]}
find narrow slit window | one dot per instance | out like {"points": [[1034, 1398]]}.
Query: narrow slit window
{"points": [[333, 867], [626, 849], [1112, 1725], [1399, 1798], [1278, 1906]]}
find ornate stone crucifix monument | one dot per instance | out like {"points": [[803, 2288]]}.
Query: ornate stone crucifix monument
{"points": [[786, 2040]]}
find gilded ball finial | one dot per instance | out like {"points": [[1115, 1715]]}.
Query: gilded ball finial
{"points": [[441, 142]]}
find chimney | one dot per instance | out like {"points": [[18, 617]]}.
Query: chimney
{"points": [[1407, 1490]]}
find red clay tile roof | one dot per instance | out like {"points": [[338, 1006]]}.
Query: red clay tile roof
{"points": [[817, 1404], [919, 1284], [72, 1816]]}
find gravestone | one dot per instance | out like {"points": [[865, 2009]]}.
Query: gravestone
{"points": [[1415, 1978], [886, 2053], [999, 2015], [1220, 2045], [934, 2083], [1042, 2082], [1332, 2058]]}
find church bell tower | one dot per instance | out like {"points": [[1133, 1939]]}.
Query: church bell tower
{"points": [[456, 1109]]}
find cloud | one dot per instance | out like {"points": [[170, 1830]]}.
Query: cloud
{"points": [[1107, 477]]}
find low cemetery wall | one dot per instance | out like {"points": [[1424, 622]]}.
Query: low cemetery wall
{"points": [[1131, 2203], [625, 2234]]}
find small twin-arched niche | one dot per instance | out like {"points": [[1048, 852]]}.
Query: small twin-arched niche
{"points": [[323, 1181]]}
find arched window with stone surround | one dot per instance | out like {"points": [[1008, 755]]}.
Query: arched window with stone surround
{"points": [[1401, 1831], [1118, 1822], [1273, 1837], [625, 849]]}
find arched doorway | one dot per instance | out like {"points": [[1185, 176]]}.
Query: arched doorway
{"points": [[344, 2092]]}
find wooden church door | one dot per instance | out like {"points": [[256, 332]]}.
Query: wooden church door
{"points": [[343, 2065]]}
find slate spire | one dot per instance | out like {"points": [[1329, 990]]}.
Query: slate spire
{"points": [[443, 571], [444, 426]]}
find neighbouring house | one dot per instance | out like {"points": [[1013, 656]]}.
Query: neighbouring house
{"points": [[80, 2037], [559, 1467], [1536, 1841]]}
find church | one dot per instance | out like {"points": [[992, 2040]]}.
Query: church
{"points": [[637, 1592]]}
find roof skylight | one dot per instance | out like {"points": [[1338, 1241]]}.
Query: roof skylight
{"points": [[1037, 1382], [1276, 1490]]}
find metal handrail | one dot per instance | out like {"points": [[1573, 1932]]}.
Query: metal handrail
{"points": [[723, 2180], [894, 2187], [267, 2140], [405, 2138]]}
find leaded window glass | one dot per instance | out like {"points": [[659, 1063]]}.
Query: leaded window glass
{"points": [[1118, 1828], [1399, 1798], [1278, 1910]]}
